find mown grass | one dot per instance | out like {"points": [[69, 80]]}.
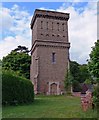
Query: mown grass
{"points": [[49, 107]]}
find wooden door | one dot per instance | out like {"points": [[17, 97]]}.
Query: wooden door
{"points": [[53, 89]]}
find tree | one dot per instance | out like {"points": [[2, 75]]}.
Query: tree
{"points": [[93, 65], [84, 73], [22, 49], [72, 77], [68, 81], [94, 61], [76, 86], [76, 75], [18, 61], [75, 71], [0, 65], [79, 72]]}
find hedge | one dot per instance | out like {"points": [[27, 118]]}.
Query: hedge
{"points": [[16, 90]]}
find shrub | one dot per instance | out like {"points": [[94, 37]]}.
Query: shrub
{"points": [[96, 96], [76, 86], [16, 90]]}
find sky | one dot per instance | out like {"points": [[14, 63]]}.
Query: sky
{"points": [[15, 19]]}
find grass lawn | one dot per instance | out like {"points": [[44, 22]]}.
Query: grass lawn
{"points": [[49, 107]]}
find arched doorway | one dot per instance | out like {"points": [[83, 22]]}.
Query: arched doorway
{"points": [[53, 89]]}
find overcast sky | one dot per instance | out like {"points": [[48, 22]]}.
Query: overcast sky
{"points": [[16, 18]]}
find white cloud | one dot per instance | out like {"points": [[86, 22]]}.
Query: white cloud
{"points": [[82, 31], [10, 43], [16, 29], [6, 20]]}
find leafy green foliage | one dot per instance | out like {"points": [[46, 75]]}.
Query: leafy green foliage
{"points": [[93, 65], [75, 71], [21, 49], [18, 62], [94, 61], [76, 86], [75, 75], [16, 90], [87, 81], [0, 88], [79, 72], [0, 66], [96, 93], [68, 80], [84, 73]]}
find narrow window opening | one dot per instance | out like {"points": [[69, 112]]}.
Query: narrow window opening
{"points": [[58, 26], [47, 25], [53, 57], [52, 25], [53, 35], [63, 26], [58, 35], [41, 24], [47, 34]]}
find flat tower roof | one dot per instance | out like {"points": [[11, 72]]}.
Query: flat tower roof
{"points": [[49, 14]]}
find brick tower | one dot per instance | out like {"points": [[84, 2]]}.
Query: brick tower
{"points": [[49, 52]]}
